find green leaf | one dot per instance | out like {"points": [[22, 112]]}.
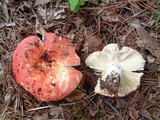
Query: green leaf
{"points": [[75, 4], [81, 2], [74, 9]]}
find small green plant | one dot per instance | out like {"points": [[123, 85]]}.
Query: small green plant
{"points": [[75, 4]]}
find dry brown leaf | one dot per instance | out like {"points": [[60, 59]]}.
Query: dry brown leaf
{"points": [[145, 40], [149, 23], [48, 15], [58, 14], [43, 116], [3, 53], [78, 22], [93, 43], [25, 4], [146, 114], [152, 67], [134, 0], [109, 16], [7, 97], [56, 112], [10, 24], [108, 1], [28, 106], [75, 96], [42, 12], [121, 103], [41, 2], [133, 113], [71, 36], [39, 29], [9, 2], [5, 11], [150, 59], [135, 8], [92, 112], [1, 70]]}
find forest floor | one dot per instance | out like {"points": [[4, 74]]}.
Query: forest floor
{"points": [[95, 25]]}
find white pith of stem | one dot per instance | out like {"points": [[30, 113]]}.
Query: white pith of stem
{"points": [[111, 69]]}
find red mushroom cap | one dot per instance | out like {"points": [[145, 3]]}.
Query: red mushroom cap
{"points": [[44, 68]]}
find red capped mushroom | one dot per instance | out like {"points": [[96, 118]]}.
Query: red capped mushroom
{"points": [[45, 69]]}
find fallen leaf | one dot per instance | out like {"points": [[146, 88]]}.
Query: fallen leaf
{"points": [[41, 2], [152, 67], [108, 1], [3, 53], [146, 114], [134, 0], [133, 113], [43, 116], [5, 11], [145, 40], [71, 36], [25, 5], [42, 12], [1, 70], [149, 23], [150, 59], [48, 15], [56, 112], [92, 43], [109, 16], [39, 29], [94, 1], [28, 106], [135, 8], [78, 22], [7, 97], [11, 24], [9, 2], [75, 96], [121, 103], [92, 112], [58, 14]]}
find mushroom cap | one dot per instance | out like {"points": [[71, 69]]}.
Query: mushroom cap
{"points": [[44, 69], [129, 61]]}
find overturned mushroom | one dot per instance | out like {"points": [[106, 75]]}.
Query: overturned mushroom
{"points": [[119, 70], [45, 69]]}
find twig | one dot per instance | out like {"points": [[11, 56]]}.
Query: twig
{"points": [[114, 109], [73, 103], [135, 15], [39, 108]]}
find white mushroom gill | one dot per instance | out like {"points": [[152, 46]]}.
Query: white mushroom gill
{"points": [[117, 68]]}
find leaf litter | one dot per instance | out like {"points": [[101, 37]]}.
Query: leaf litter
{"points": [[145, 40], [94, 26]]}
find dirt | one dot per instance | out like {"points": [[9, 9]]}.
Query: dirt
{"points": [[95, 25]]}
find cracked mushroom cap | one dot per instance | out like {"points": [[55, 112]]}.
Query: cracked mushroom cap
{"points": [[45, 69], [118, 70]]}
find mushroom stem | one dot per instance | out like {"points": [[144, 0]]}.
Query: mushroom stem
{"points": [[112, 68], [111, 78]]}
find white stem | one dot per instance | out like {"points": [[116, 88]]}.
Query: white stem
{"points": [[113, 67]]}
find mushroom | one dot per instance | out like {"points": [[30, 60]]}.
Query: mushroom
{"points": [[119, 70], [44, 68]]}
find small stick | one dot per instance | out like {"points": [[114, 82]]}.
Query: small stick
{"points": [[114, 109]]}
